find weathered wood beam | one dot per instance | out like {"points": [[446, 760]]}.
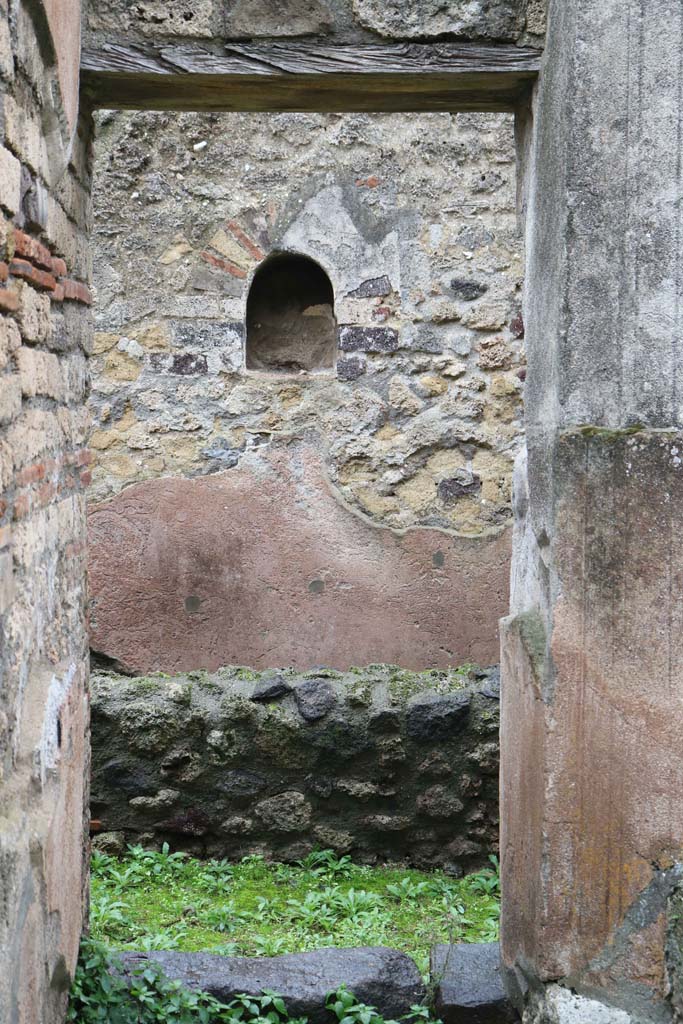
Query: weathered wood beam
{"points": [[304, 77]]}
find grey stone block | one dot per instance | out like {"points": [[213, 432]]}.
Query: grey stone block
{"points": [[382, 977], [434, 717], [314, 698], [469, 986]]}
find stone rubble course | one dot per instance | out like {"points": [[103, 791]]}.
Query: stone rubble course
{"points": [[331, 21], [206, 763], [380, 977]]}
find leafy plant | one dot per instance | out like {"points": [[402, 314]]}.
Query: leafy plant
{"points": [[488, 880], [157, 900], [407, 889], [347, 1010], [326, 862]]}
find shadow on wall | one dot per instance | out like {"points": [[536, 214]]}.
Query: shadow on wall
{"points": [[290, 316]]}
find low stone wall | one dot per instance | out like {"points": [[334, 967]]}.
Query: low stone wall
{"points": [[380, 763]]}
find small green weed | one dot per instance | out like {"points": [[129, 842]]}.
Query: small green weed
{"points": [[165, 900]]}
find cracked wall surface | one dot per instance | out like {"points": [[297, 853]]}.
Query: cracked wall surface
{"points": [[416, 426]]}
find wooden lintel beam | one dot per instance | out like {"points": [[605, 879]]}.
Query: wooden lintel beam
{"points": [[303, 77]]}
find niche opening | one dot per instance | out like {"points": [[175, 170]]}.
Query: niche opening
{"points": [[290, 316]]}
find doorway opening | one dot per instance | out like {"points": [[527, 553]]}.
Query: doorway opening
{"points": [[298, 470]]}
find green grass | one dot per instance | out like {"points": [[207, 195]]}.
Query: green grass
{"points": [[165, 900]]}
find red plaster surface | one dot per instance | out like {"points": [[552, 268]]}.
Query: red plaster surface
{"points": [[609, 774], [264, 566], [64, 17]]}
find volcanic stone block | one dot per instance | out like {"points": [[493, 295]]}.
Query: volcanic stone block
{"points": [[433, 717], [368, 339], [271, 689], [469, 987], [382, 977], [314, 698]]}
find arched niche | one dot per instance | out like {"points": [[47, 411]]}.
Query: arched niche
{"points": [[290, 316]]}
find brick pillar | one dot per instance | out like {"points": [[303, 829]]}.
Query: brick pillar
{"points": [[592, 755], [44, 341]]}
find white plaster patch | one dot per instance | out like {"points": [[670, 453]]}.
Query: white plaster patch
{"points": [[49, 740], [560, 1006]]}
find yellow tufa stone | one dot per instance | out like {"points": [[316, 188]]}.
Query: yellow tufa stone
{"points": [[375, 504], [401, 397], [153, 336], [434, 385], [180, 247], [120, 366], [388, 433], [418, 493], [104, 341]]}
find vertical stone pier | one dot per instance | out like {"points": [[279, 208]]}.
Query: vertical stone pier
{"points": [[592, 753]]}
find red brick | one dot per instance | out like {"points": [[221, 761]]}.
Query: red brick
{"points": [[372, 182], [30, 474], [76, 291], [227, 265], [245, 241], [4, 271], [86, 477], [58, 267], [38, 278], [58, 293], [46, 492], [84, 457], [22, 506], [31, 249], [9, 301]]}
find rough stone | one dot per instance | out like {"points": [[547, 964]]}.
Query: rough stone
{"points": [[271, 689], [380, 977], [432, 718], [286, 812], [314, 698], [439, 802], [368, 339], [469, 985], [417, 19], [276, 18]]}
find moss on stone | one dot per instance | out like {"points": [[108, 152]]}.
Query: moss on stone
{"points": [[404, 684], [610, 434], [532, 632]]}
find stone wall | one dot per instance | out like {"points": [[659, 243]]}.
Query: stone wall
{"points": [[44, 341], [379, 762], [394, 465], [335, 21]]}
